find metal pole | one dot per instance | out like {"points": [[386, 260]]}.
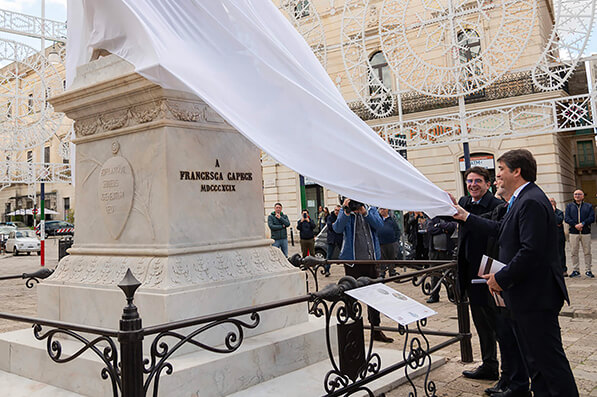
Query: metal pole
{"points": [[42, 225], [131, 341], [464, 328], [464, 132], [42, 219]]}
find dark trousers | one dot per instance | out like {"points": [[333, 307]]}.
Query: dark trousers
{"points": [[357, 271], [388, 252], [421, 249], [562, 251], [437, 255], [484, 320], [333, 252], [514, 369], [308, 247], [538, 333]]}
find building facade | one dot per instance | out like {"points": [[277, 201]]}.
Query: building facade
{"points": [[35, 138], [420, 87]]}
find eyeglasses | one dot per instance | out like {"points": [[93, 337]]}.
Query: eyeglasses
{"points": [[477, 181]]}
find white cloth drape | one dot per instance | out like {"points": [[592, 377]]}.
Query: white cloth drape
{"points": [[246, 61]]}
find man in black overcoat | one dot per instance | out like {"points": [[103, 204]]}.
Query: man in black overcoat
{"points": [[531, 283], [471, 248]]}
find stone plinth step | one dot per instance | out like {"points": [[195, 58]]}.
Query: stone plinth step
{"points": [[308, 381], [18, 386]]}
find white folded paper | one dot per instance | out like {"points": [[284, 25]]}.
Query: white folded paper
{"points": [[392, 303]]}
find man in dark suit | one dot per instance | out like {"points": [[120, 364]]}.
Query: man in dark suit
{"points": [[471, 247], [532, 282]]}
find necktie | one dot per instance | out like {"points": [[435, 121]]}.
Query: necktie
{"points": [[510, 203]]}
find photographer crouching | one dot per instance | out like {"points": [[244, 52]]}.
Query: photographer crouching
{"points": [[359, 224]]}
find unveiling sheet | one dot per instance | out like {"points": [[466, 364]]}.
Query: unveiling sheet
{"points": [[245, 60], [392, 303]]}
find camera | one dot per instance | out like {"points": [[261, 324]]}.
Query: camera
{"points": [[353, 205], [305, 216]]}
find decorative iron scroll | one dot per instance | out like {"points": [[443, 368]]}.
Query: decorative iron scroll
{"points": [[160, 350], [332, 300], [108, 354], [416, 354]]}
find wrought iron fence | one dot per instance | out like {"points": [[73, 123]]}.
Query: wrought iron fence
{"points": [[352, 368], [31, 277]]}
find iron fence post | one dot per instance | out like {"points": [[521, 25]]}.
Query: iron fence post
{"points": [[464, 329], [131, 341]]}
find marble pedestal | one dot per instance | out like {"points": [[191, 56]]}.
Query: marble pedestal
{"points": [[165, 187]]}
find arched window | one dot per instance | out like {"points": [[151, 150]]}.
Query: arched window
{"points": [[469, 45], [301, 9], [381, 70]]}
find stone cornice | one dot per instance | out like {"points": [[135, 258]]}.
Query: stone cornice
{"points": [[160, 109]]}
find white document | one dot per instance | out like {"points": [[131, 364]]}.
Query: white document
{"points": [[489, 265], [392, 303]]}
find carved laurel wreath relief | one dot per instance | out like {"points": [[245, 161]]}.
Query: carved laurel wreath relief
{"points": [[118, 192]]}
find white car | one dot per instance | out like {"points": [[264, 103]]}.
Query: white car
{"points": [[23, 241]]}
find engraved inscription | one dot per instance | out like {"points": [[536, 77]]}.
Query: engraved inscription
{"points": [[232, 176], [116, 188]]}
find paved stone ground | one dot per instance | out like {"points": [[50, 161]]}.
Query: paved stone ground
{"points": [[579, 333], [578, 324]]}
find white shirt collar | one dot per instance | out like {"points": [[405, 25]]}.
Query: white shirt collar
{"points": [[517, 191]]}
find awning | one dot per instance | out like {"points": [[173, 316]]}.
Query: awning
{"points": [[29, 211]]}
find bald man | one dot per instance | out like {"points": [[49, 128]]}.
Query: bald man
{"points": [[580, 216]]}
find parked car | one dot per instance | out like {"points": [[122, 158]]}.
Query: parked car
{"points": [[4, 233], [17, 224], [58, 228], [23, 241], [321, 246]]}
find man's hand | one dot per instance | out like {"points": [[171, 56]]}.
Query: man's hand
{"points": [[278, 216], [345, 206], [462, 213], [578, 226], [492, 283], [362, 210]]}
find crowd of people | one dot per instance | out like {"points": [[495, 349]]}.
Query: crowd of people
{"points": [[518, 226]]}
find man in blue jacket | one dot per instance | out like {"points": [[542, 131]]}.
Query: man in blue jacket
{"points": [[388, 235], [360, 224], [580, 215]]}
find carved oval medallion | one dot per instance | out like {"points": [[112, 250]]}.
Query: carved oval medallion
{"points": [[116, 189]]}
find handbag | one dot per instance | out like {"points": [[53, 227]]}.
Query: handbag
{"points": [[440, 242]]}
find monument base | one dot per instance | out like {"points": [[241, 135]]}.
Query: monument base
{"points": [[259, 359], [291, 362]]}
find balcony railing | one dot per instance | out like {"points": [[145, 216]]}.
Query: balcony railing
{"points": [[510, 85]]}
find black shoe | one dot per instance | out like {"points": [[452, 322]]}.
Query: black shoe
{"points": [[326, 274], [433, 299], [481, 373], [589, 274], [381, 337], [499, 387], [574, 274], [512, 393]]}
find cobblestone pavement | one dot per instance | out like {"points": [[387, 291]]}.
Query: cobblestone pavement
{"points": [[578, 323]]}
